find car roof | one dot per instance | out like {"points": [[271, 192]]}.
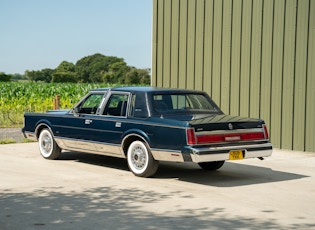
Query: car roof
{"points": [[148, 89]]}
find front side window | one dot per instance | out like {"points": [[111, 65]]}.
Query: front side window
{"points": [[90, 104]]}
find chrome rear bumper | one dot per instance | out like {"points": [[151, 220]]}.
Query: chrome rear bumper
{"points": [[199, 154]]}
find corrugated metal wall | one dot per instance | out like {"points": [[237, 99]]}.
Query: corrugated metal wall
{"points": [[254, 57]]}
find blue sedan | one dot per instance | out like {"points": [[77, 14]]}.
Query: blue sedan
{"points": [[146, 125]]}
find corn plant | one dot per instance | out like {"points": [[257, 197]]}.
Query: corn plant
{"points": [[16, 98]]}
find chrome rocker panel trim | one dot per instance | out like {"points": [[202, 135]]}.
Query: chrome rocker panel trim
{"points": [[90, 147]]}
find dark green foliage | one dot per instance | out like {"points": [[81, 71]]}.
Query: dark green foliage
{"points": [[44, 75], [18, 77], [59, 77], [96, 68], [4, 77], [65, 72]]}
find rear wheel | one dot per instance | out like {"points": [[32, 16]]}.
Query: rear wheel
{"points": [[140, 160], [47, 145], [211, 166]]}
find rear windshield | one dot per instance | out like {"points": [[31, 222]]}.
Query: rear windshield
{"points": [[182, 102]]}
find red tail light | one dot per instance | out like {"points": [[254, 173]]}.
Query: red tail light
{"points": [[191, 138], [216, 138], [196, 138], [266, 132]]}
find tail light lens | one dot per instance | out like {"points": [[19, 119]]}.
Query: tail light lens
{"points": [[191, 137], [266, 132]]}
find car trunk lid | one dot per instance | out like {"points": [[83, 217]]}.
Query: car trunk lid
{"points": [[225, 129]]}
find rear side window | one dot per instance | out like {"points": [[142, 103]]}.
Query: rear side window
{"points": [[116, 105]]}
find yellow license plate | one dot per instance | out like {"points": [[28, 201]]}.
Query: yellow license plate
{"points": [[236, 155]]}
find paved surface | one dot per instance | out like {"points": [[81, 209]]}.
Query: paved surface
{"points": [[82, 191]]}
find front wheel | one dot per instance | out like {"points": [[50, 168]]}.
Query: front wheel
{"points": [[140, 160], [211, 166], [47, 146]]}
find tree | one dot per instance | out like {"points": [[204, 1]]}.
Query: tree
{"points": [[96, 68], [4, 77], [47, 74], [39, 75], [65, 72], [93, 68], [137, 76], [65, 66], [17, 77], [116, 73], [64, 77]]}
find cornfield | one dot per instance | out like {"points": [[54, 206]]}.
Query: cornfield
{"points": [[16, 98]]}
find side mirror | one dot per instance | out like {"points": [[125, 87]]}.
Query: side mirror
{"points": [[76, 112]]}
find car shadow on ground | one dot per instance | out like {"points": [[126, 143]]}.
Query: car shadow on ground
{"points": [[113, 208], [230, 175]]}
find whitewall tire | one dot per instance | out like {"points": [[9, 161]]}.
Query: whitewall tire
{"points": [[140, 160], [47, 146]]}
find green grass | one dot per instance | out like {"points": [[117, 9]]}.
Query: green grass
{"points": [[7, 141]]}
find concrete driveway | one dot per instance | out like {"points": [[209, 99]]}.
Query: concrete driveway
{"points": [[82, 191]]}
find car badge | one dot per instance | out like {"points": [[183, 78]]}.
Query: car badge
{"points": [[230, 126]]}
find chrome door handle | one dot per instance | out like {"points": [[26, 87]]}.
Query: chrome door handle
{"points": [[87, 122]]}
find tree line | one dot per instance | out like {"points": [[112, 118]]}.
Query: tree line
{"points": [[96, 68]]}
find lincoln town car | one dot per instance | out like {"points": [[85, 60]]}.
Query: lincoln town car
{"points": [[146, 125]]}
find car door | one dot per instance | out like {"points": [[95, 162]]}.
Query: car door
{"points": [[112, 120], [97, 123], [77, 129]]}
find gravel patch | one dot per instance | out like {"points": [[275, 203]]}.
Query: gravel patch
{"points": [[11, 133]]}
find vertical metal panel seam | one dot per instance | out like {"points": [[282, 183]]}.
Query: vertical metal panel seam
{"points": [[294, 71], [221, 44], [271, 65], [203, 50], [212, 48], [240, 73], [261, 57], [154, 46], [203, 43], [306, 88], [178, 41], [186, 43], [195, 29], [282, 71], [162, 44], [231, 37], [171, 34], [250, 57]]}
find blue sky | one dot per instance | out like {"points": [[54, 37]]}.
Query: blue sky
{"points": [[38, 34]]}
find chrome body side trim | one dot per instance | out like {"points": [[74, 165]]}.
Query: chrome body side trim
{"points": [[30, 135], [167, 155]]}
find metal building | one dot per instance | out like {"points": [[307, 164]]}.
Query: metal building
{"points": [[254, 57]]}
